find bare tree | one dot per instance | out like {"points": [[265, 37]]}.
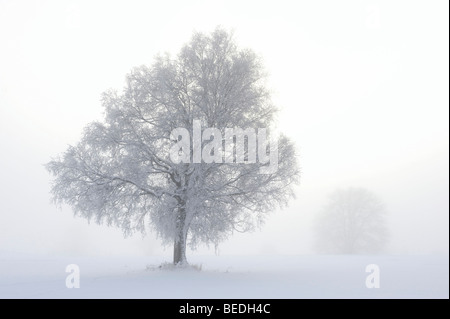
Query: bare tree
{"points": [[352, 222], [121, 172]]}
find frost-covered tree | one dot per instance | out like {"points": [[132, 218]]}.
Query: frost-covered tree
{"points": [[353, 221], [121, 172]]}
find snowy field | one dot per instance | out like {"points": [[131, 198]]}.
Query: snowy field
{"points": [[308, 276]]}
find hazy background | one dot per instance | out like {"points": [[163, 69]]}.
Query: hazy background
{"points": [[363, 87]]}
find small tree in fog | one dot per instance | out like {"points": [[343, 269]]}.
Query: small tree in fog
{"points": [[352, 222], [121, 171]]}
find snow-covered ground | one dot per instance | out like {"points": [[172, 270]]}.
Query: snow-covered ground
{"points": [[308, 276]]}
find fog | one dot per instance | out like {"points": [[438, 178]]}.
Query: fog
{"points": [[362, 87]]}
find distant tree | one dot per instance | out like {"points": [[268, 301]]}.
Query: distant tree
{"points": [[352, 222], [121, 172]]}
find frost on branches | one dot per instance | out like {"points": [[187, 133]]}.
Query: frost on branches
{"points": [[120, 173]]}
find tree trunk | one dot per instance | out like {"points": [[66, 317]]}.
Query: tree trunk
{"points": [[179, 252], [179, 246]]}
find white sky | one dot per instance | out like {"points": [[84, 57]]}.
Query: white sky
{"points": [[363, 86]]}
